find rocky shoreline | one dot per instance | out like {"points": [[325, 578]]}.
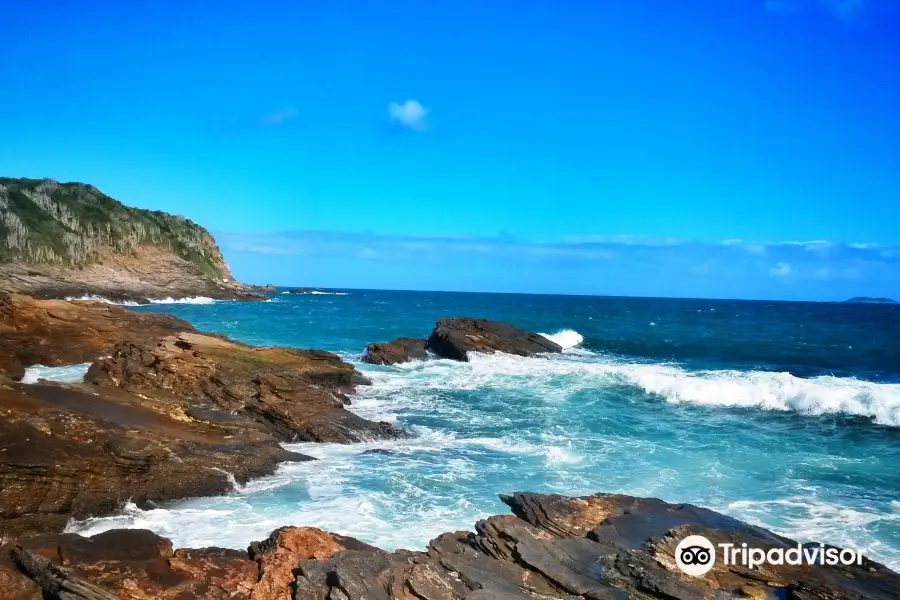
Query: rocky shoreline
{"points": [[166, 412], [600, 547]]}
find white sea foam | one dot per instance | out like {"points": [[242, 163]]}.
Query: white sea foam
{"points": [[320, 293], [567, 338], [808, 518], [187, 300], [67, 374], [169, 300], [96, 298], [560, 376], [324, 493]]}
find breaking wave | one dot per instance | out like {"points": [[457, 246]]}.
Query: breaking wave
{"points": [[169, 300], [67, 374], [564, 375], [96, 298], [567, 338], [187, 300]]}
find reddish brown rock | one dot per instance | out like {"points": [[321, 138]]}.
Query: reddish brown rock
{"points": [[280, 554], [600, 547], [56, 332], [298, 395], [66, 452]]}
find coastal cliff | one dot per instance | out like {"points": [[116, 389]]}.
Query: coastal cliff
{"points": [[70, 239]]}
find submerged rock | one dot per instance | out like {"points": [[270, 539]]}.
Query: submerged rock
{"points": [[454, 338], [400, 350], [604, 546]]}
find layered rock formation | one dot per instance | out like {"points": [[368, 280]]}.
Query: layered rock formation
{"points": [[552, 548], [299, 395], [165, 412], [454, 338], [400, 350], [53, 332], [70, 239]]}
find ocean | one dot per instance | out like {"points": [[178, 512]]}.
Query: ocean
{"points": [[783, 414]]}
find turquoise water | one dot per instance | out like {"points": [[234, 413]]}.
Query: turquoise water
{"points": [[786, 415]]}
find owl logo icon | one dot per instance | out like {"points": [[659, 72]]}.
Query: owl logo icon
{"points": [[695, 555]]}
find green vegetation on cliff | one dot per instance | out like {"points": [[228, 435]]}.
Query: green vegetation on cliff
{"points": [[73, 224]]}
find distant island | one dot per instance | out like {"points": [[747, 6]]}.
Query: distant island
{"points": [[867, 300]]}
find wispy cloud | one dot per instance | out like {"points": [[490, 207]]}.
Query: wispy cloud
{"points": [[280, 117], [586, 263], [791, 260], [410, 114]]}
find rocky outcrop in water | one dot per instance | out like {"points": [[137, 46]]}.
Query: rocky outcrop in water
{"points": [[400, 350], [552, 548], [170, 413], [454, 338]]}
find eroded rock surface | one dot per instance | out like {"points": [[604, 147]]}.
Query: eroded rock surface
{"points": [[553, 548], [299, 395], [169, 414], [454, 338], [56, 332], [66, 452], [398, 351]]}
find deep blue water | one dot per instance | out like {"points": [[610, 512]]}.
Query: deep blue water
{"points": [[783, 414]]}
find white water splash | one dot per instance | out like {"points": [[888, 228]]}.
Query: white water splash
{"points": [[187, 300], [96, 298], [567, 338], [67, 374]]}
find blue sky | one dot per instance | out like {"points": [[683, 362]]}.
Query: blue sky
{"points": [[720, 148]]}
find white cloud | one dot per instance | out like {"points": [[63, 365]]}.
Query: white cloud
{"points": [[410, 114], [780, 270]]}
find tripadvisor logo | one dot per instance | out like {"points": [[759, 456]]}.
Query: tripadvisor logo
{"points": [[695, 555]]}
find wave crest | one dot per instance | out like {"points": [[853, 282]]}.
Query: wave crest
{"points": [[564, 375], [567, 338], [187, 300]]}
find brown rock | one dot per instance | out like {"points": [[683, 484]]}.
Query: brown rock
{"points": [[151, 272], [400, 350], [599, 547], [280, 554], [55, 332], [454, 338], [298, 395], [66, 452]]}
